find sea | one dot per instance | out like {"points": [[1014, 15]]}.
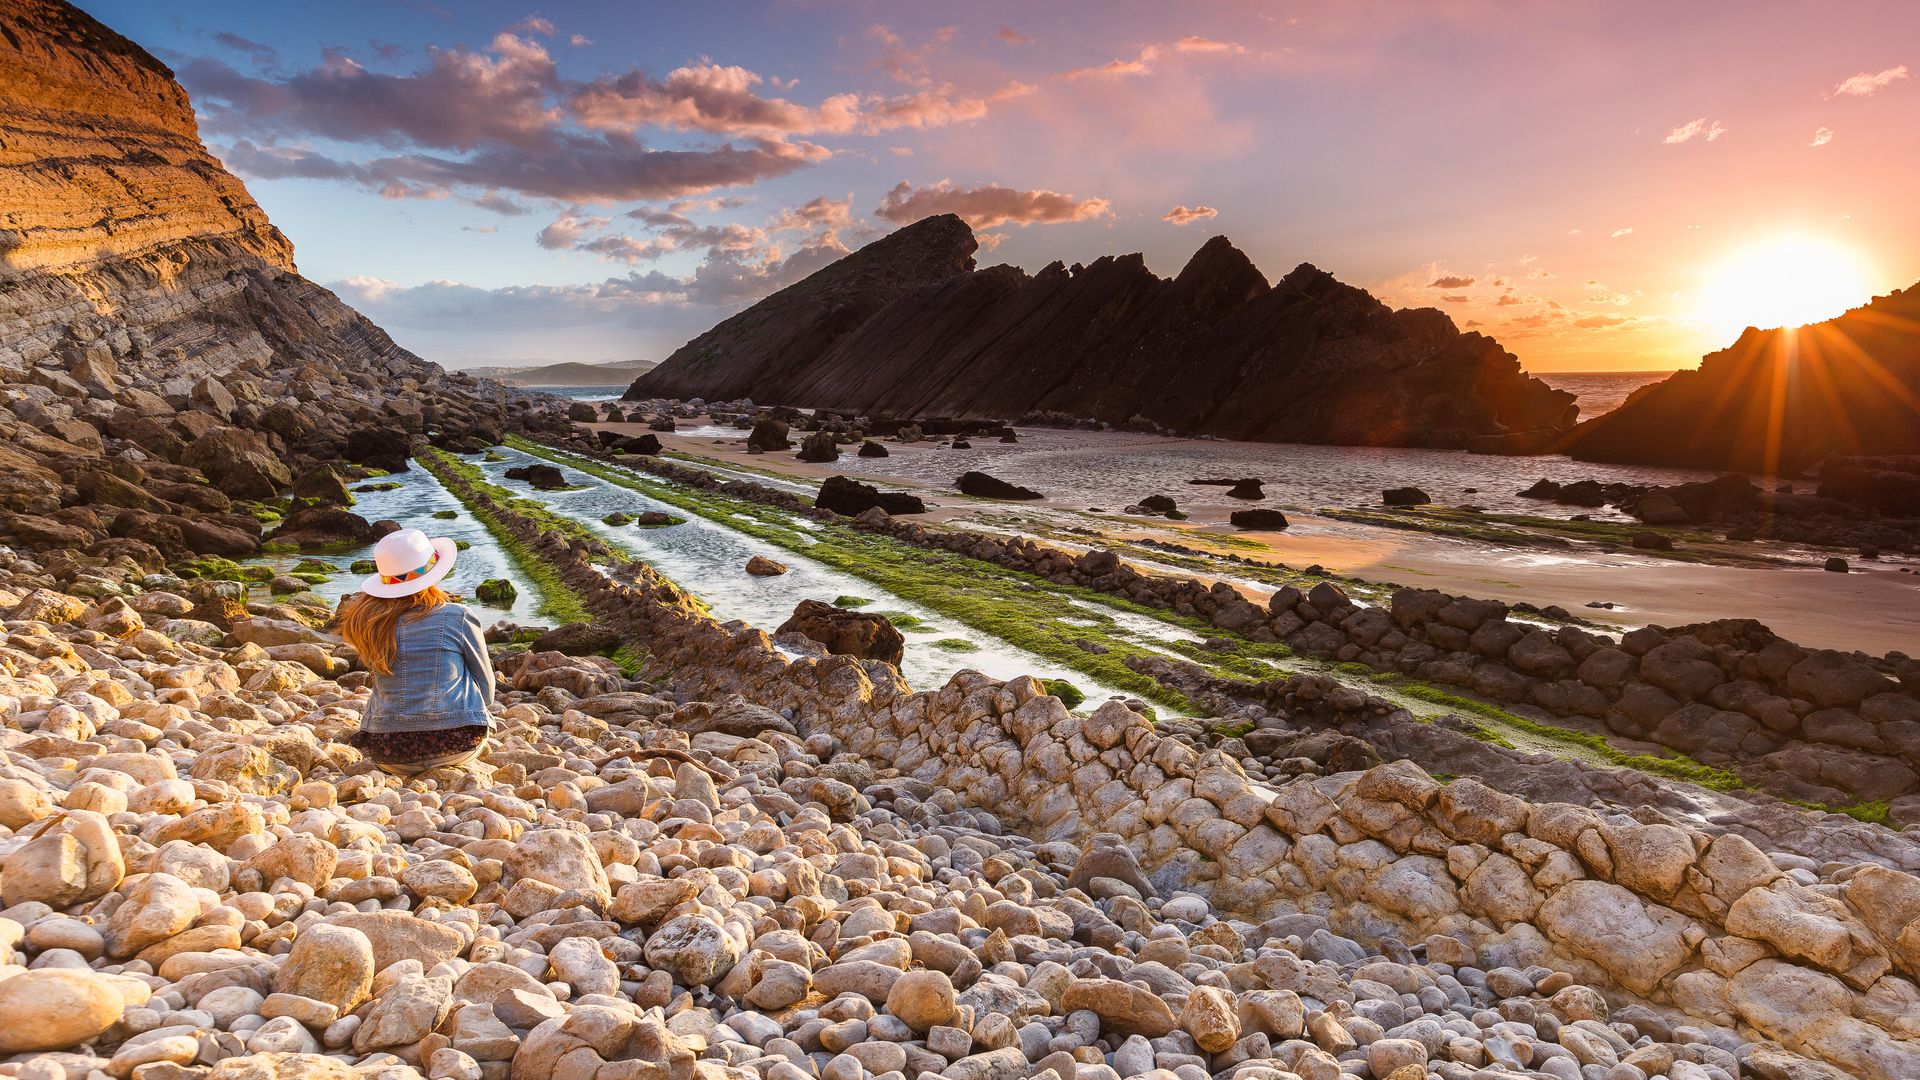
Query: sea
{"points": [[1599, 392]]}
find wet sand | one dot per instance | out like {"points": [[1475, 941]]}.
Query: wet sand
{"points": [[1876, 608]]}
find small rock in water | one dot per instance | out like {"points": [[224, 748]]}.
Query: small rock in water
{"points": [[761, 566], [1836, 565], [1404, 496]]}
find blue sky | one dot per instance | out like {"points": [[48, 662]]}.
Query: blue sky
{"points": [[1591, 183]]}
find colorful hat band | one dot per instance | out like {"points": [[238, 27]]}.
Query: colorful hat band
{"points": [[411, 574]]}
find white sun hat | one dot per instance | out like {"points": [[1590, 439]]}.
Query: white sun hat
{"points": [[407, 562]]}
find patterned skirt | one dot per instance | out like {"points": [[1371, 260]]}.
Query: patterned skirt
{"points": [[418, 751]]}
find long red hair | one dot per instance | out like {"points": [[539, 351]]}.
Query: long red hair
{"points": [[368, 623]]}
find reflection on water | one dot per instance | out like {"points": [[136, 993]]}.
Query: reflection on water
{"points": [[413, 503]]}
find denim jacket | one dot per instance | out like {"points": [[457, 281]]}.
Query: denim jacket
{"points": [[441, 677]]}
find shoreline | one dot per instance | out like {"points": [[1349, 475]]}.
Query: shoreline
{"points": [[1875, 608]]}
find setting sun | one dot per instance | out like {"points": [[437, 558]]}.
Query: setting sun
{"points": [[1787, 281]]}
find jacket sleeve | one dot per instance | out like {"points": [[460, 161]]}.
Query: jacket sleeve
{"points": [[473, 645]]}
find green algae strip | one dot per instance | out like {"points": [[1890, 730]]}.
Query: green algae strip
{"points": [[557, 600], [1021, 609], [1026, 610]]}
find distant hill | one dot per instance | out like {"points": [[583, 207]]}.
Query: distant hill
{"points": [[1778, 400], [604, 373], [908, 327]]}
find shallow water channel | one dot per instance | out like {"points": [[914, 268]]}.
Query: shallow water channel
{"points": [[413, 503], [708, 559]]}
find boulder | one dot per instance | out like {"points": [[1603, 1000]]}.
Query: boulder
{"points": [[323, 527], [850, 498], [819, 447], [768, 434], [1261, 518], [761, 566], [861, 634], [1404, 496], [577, 639], [241, 463], [982, 486], [871, 449], [380, 448]]}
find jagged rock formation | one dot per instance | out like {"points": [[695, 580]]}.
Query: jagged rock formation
{"points": [[1778, 400], [907, 327], [155, 335]]}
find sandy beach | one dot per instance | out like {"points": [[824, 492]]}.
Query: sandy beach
{"points": [[1875, 608]]}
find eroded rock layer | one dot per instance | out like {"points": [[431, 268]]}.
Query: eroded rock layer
{"points": [[1778, 401], [160, 357], [906, 327]]}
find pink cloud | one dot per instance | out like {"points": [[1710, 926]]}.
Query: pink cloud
{"points": [[1866, 84], [1186, 215], [987, 206], [1012, 37], [1193, 43], [1450, 281], [1702, 128]]}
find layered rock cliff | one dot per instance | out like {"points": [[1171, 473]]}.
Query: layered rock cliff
{"points": [[1779, 400], [907, 327], [155, 334]]}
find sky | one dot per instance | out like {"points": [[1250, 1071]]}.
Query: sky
{"points": [[1597, 185]]}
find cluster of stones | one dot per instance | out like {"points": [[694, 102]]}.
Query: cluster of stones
{"points": [[1820, 958], [1817, 725], [202, 881]]}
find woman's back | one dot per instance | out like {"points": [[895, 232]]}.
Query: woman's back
{"points": [[441, 677]]}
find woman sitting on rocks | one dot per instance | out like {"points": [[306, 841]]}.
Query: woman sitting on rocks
{"points": [[432, 679]]}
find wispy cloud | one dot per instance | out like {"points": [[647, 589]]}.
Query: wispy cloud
{"points": [[1867, 84], [1625, 231], [258, 52], [1012, 37], [988, 205], [1709, 130], [1450, 281], [1187, 215], [1822, 136]]}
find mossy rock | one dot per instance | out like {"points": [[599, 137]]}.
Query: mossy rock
{"points": [[494, 455], [462, 545], [954, 644], [851, 601], [384, 485], [313, 566], [311, 578], [446, 515], [496, 592], [1069, 694], [363, 566], [209, 568], [616, 519]]}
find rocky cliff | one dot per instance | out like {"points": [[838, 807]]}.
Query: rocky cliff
{"points": [[1779, 400], [907, 327], [155, 335]]}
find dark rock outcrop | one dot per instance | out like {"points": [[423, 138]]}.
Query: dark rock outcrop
{"points": [[847, 633], [851, 498], [982, 486], [907, 327], [819, 448], [1404, 496], [1778, 401], [1257, 519]]}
